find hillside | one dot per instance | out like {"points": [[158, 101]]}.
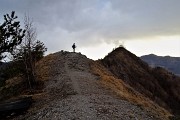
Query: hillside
{"points": [[76, 87], [157, 84], [170, 63]]}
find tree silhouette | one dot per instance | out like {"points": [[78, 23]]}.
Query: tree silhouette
{"points": [[11, 34]]}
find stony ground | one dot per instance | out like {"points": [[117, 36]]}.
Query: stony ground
{"points": [[74, 93]]}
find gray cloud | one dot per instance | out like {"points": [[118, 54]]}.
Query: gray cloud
{"points": [[91, 22]]}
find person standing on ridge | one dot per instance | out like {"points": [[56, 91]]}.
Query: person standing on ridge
{"points": [[74, 46]]}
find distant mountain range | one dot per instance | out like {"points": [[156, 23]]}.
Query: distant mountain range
{"points": [[172, 64]]}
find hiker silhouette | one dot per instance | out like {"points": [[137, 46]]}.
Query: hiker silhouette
{"points": [[74, 46]]}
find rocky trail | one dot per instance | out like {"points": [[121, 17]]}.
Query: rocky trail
{"points": [[73, 92]]}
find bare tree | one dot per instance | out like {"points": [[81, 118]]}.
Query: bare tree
{"points": [[29, 52], [30, 38]]}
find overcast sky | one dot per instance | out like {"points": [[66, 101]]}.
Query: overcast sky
{"points": [[97, 26]]}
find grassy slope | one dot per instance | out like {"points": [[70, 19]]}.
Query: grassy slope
{"points": [[125, 91], [157, 84]]}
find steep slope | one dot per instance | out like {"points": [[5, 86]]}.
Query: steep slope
{"points": [[170, 63], [73, 91], [155, 83], [126, 92]]}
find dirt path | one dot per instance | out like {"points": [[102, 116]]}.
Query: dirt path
{"points": [[72, 74]]}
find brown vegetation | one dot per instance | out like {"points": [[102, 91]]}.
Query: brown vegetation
{"points": [[157, 84], [125, 91]]}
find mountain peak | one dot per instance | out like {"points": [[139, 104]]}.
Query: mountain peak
{"points": [[156, 83], [119, 50]]}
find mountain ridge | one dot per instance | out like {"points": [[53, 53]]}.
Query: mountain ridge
{"points": [[76, 87]]}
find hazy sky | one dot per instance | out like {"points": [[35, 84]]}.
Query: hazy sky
{"points": [[97, 26]]}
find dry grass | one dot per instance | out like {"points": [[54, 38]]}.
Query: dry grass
{"points": [[12, 88], [13, 81], [43, 67], [16, 86], [125, 91]]}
